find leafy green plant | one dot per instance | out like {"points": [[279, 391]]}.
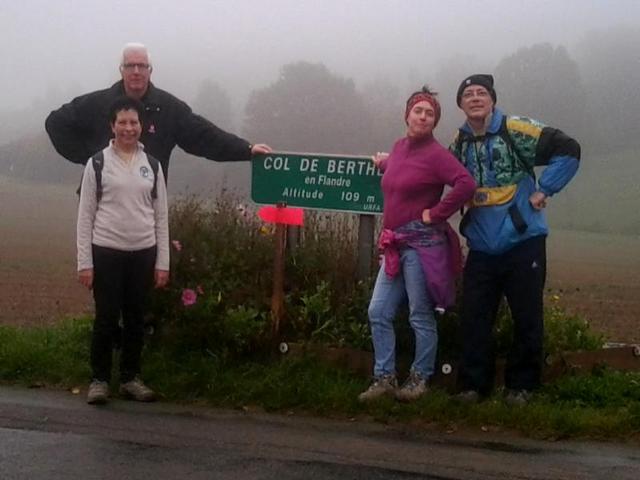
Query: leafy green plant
{"points": [[222, 260], [568, 332], [244, 328]]}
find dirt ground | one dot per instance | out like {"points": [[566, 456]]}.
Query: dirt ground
{"points": [[594, 275], [37, 255]]}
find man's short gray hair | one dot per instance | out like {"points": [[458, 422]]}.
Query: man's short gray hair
{"points": [[134, 46]]}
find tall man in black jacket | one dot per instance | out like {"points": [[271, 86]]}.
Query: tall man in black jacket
{"points": [[80, 128]]}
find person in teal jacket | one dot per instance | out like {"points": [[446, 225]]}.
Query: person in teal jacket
{"points": [[506, 231]]}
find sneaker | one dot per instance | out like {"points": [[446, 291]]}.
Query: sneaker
{"points": [[98, 393], [137, 390], [381, 386], [517, 398], [468, 397], [414, 387]]}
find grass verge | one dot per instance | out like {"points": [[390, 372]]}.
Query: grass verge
{"points": [[604, 405]]}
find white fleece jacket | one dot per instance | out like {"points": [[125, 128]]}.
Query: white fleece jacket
{"points": [[126, 218]]}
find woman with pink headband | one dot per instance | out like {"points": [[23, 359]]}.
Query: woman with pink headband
{"points": [[421, 251]]}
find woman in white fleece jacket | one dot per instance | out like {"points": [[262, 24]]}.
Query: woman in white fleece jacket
{"points": [[123, 249]]}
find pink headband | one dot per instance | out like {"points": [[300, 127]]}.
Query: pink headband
{"points": [[422, 97]]}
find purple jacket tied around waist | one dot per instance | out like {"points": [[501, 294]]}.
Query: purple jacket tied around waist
{"points": [[439, 249]]}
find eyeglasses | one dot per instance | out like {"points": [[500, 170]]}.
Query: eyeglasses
{"points": [[480, 92], [130, 67]]}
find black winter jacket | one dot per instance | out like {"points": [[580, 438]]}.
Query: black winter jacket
{"points": [[81, 128]]}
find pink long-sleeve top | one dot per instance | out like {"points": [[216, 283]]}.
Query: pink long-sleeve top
{"points": [[415, 174]]}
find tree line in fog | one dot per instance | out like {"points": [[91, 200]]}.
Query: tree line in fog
{"points": [[591, 93]]}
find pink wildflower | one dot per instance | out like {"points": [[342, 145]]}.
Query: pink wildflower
{"points": [[177, 245], [189, 297]]}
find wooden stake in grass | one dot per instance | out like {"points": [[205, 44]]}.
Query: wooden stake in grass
{"points": [[281, 216], [277, 297]]}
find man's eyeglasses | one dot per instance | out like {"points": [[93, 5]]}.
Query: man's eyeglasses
{"points": [[480, 92], [130, 67]]}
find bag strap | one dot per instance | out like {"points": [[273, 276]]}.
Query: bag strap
{"points": [[155, 166], [98, 162]]}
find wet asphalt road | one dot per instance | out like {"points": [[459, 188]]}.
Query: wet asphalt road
{"points": [[55, 435]]}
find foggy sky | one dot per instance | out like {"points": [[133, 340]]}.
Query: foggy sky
{"points": [[55, 47]]}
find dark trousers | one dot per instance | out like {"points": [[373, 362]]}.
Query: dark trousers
{"points": [[121, 284], [519, 275]]}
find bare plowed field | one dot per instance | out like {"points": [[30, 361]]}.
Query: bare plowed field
{"points": [[595, 275]]}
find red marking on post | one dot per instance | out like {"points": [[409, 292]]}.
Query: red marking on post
{"points": [[282, 215]]}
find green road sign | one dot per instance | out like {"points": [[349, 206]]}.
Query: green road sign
{"points": [[321, 182]]}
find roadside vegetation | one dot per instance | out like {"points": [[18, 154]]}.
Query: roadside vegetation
{"points": [[209, 337], [604, 404]]}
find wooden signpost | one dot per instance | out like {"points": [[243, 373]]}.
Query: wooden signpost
{"points": [[281, 216], [341, 183]]}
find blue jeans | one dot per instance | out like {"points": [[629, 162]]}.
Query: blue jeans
{"points": [[388, 294]]}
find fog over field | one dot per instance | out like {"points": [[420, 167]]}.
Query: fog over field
{"points": [[332, 76]]}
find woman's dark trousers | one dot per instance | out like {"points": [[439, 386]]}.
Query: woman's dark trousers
{"points": [[121, 284]]}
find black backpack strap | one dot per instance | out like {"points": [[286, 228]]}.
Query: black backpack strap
{"points": [[457, 146], [98, 162], [457, 152], [155, 166]]}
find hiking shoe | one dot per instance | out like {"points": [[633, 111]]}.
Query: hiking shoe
{"points": [[98, 393], [467, 397], [137, 390], [517, 398], [414, 387], [381, 386]]}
